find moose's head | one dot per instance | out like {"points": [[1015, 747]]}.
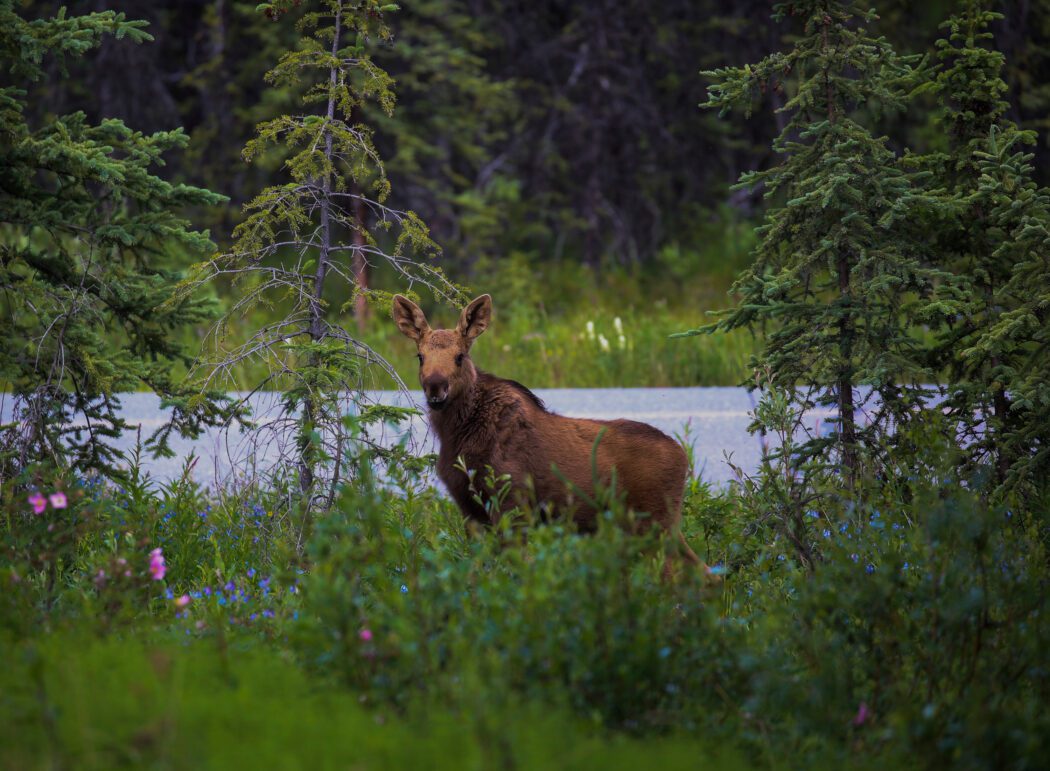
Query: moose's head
{"points": [[445, 369]]}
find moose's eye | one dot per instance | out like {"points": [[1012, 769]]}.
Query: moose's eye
{"points": [[420, 357], [459, 359]]}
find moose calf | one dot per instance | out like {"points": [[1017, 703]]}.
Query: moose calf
{"points": [[492, 422]]}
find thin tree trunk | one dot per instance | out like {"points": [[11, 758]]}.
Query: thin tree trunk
{"points": [[847, 420], [311, 407], [1001, 408], [360, 265]]}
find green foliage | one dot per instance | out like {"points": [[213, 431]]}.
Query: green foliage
{"points": [[1015, 340], [291, 250], [580, 620], [129, 703], [916, 633], [837, 279], [969, 86], [991, 245], [90, 243]]}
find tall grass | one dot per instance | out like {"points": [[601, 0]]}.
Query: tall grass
{"points": [[71, 701], [540, 334]]}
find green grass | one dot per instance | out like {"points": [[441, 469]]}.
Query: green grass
{"points": [[560, 352], [556, 327], [74, 701]]}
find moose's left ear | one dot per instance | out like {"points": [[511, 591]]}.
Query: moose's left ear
{"points": [[475, 317]]}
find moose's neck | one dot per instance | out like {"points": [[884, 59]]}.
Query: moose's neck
{"points": [[454, 421]]}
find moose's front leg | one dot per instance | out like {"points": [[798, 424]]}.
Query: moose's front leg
{"points": [[463, 487]]}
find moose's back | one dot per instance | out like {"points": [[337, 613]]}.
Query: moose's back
{"points": [[539, 450]]}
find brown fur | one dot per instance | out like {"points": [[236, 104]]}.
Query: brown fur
{"points": [[491, 422]]}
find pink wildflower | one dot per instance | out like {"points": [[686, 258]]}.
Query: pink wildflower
{"points": [[863, 714], [157, 568], [38, 502], [183, 601], [58, 499], [365, 635]]}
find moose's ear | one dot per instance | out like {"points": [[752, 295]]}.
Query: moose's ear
{"points": [[409, 318], [475, 317]]}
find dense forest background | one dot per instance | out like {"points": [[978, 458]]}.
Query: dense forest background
{"points": [[536, 131]]}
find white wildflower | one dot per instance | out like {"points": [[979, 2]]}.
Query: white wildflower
{"points": [[590, 330], [603, 342], [623, 342], [618, 325]]}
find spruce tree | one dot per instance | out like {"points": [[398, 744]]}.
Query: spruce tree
{"points": [[996, 336], [302, 242], [89, 241], [973, 245], [837, 278], [1016, 338]]}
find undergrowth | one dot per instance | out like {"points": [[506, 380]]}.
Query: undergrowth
{"points": [[906, 625]]}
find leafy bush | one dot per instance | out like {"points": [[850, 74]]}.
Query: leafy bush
{"points": [[583, 621]]}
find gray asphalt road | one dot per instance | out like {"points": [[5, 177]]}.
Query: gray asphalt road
{"points": [[715, 421]]}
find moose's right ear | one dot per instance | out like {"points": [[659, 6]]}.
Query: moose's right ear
{"points": [[409, 318]]}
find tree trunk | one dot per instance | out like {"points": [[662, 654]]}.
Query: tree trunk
{"points": [[360, 265], [1001, 407], [847, 420], [311, 406]]}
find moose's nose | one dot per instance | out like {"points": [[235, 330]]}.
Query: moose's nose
{"points": [[436, 390]]}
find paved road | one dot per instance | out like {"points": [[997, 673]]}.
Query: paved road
{"points": [[717, 420]]}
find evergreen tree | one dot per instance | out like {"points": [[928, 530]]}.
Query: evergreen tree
{"points": [[88, 238], [297, 247], [837, 278], [1016, 338], [447, 143], [972, 244]]}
